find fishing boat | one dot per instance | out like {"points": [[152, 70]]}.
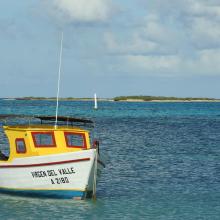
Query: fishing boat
{"points": [[55, 159], [50, 161]]}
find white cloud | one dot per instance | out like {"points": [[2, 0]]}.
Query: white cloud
{"points": [[172, 38], [204, 8], [151, 36], [205, 62], [167, 38], [153, 65], [83, 10], [198, 19], [205, 33], [134, 44]]}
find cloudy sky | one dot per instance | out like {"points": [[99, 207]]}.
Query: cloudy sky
{"points": [[112, 47]]}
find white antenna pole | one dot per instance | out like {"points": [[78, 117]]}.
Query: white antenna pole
{"points": [[95, 99], [58, 84]]}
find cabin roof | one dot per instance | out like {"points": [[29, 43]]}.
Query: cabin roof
{"points": [[50, 118], [46, 122], [42, 127], [64, 119]]}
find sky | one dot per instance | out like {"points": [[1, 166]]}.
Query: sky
{"points": [[111, 47]]}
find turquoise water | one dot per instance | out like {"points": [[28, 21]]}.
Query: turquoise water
{"points": [[163, 162]]}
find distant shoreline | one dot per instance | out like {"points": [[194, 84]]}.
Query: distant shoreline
{"points": [[177, 100], [162, 99], [120, 99], [54, 99]]}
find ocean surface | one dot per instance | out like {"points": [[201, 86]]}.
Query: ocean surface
{"points": [[162, 162]]}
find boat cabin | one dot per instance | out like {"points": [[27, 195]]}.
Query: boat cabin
{"points": [[39, 140]]}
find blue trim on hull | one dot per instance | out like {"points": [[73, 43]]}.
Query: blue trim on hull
{"points": [[59, 194]]}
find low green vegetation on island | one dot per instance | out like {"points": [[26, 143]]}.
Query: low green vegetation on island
{"points": [[53, 98], [160, 98]]}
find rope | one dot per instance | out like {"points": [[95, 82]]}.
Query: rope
{"points": [[95, 175]]}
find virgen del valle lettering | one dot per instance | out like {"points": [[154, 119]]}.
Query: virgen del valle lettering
{"points": [[53, 173], [64, 171]]}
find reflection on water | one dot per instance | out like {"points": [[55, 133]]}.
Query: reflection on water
{"points": [[33, 208]]}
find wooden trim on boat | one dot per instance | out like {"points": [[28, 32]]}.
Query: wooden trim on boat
{"points": [[44, 164]]}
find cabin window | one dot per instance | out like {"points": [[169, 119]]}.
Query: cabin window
{"points": [[20, 146], [77, 140], [44, 139]]}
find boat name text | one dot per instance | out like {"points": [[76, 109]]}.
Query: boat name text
{"points": [[54, 173]]}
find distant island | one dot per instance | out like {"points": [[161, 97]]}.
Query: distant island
{"points": [[140, 98], [54, 98], [162, 99]]}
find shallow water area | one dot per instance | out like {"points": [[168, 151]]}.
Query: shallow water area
{"points": [[162, 162]]}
